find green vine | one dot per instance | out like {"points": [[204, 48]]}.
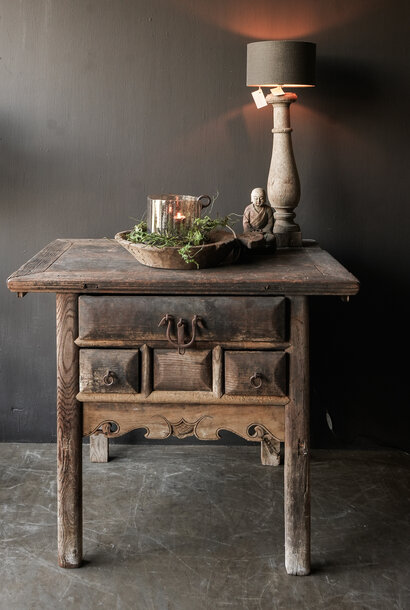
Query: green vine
{"points": [[197, 235]]}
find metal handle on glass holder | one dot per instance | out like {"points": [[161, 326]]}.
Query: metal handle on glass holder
{"points": [[204, 205]]}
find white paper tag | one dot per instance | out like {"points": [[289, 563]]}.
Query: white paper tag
{"points": [[277, 91], [259, 98]]}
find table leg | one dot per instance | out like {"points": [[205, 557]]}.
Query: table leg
{"points": [[69, 436], [297, 490]]}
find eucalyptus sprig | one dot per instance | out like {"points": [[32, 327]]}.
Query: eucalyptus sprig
{"points": [[197, 235]]}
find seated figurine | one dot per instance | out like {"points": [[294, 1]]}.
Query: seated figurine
{"points": [[258, 216]]}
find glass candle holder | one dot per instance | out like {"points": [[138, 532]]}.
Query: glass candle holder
{"points": [[174, 214]]}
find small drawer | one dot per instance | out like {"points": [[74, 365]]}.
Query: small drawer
{"points": [[109, 370], [189, 371], [255, 373], [127, 320]]}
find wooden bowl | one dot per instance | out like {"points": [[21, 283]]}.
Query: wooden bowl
{"points": [[220, 250]]}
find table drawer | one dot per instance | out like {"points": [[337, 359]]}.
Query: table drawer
{"points": [[189, 371], [255, 373], [126, 320], [109, 370]]}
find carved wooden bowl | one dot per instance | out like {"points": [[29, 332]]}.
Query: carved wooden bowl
{"points": [[223, 248]]}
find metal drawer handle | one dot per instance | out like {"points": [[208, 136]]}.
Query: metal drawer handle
{"points": [[256, 380], [109, 378], [180, 343]]}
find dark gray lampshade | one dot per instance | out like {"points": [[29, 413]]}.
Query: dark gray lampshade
{"points": [[281, 62]]}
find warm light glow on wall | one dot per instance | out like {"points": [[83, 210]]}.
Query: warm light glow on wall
{"points": [[268, 20], [215, 133], [341, 130]]}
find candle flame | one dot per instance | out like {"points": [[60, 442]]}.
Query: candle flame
{"points": [[179, 216]]}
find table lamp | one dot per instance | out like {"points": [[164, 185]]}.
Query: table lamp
{"points": [[276, 64]]}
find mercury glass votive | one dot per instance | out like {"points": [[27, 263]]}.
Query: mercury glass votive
{"points": [[174, 214]]}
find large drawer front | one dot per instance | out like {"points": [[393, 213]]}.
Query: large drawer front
{"points": [[109, 371], [255, 373], [132, 319]]}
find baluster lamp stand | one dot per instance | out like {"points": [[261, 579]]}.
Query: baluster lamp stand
{"points": [[277, 64]]}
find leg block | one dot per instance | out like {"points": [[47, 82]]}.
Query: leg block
{"points": [[99, 449], [270, 451]]}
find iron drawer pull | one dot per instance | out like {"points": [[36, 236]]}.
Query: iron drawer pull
{"points": [[109, 377], [253, 379], [179, 343]]}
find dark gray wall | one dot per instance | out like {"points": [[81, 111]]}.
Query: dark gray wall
{"points": [[105, 101]]}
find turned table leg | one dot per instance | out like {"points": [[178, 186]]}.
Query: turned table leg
{"points": [[297, 490], [69, 436]]}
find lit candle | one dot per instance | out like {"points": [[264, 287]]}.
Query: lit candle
{"points": [[179, 221]]}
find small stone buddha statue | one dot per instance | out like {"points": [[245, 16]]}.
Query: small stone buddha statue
{"points": [[258, 216]]}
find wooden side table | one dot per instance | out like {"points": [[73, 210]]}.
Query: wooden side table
{"points": [[182, 353]]}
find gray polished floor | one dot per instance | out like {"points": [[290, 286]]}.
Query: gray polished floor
{"points": [[202, 528]]}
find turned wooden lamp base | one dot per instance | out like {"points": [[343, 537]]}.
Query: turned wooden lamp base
{"points": [[289, 240], [283, 180]]}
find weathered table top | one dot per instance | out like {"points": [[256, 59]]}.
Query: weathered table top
{"points": [[103, 266]]}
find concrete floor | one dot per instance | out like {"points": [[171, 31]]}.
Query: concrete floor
{"points": [[186, 528]]}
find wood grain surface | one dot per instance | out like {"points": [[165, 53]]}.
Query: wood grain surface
{"points": [[255, 373], [102, 265], [43, 259], [69, 429], [146, 370], [217, 371], [189, 371], [99, 449], [270, 451], [204, 422], [182, 397], [109, 370], [297, 482], [125, 318]]}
